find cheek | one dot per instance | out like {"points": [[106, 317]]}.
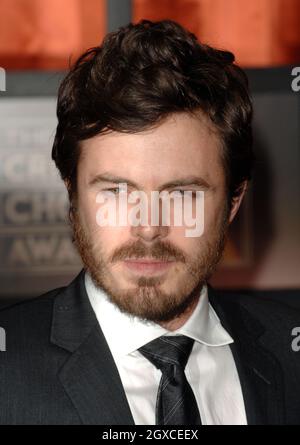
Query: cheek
{"points": [[188, 245], [213, 212], [112, 237], [108, 237]]}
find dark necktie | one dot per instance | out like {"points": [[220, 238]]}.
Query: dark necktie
{"points": [[176, 403]]}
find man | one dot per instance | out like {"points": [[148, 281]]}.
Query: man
{"points": [[140, 337]]}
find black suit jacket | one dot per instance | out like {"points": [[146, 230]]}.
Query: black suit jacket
{"points": [[58, 368]]}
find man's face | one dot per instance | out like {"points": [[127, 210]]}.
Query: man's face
{"points": [[182, 150]]}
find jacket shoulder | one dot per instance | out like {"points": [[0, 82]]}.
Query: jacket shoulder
{"points": [[33, 306], [274, 313]]}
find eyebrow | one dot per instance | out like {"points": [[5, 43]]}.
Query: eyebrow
{"points": [[190, 180]]}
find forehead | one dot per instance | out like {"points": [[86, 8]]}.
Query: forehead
{"points": [[181, 145]]}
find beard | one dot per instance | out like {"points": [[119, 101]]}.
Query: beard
{"points": [[146, 299]]}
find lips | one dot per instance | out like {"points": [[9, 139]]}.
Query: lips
{"points": [[148, 266]]}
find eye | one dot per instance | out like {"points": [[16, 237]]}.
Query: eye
{"points": [[181, 192], [177, 193], [115, 190]]}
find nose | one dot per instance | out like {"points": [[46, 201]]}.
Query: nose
{"points": [[150, 227], [149, 233]]}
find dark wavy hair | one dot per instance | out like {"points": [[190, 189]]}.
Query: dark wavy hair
{"points": [[138, 76]]}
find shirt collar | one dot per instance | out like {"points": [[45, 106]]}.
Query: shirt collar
{"points": [[126, 333]]}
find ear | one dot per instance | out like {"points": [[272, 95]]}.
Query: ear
{"points": [[237, 200]]}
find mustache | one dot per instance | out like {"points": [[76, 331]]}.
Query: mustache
{"points": [[158, 251]]}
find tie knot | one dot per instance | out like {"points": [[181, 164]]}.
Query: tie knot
{"points": [[168, 350]]}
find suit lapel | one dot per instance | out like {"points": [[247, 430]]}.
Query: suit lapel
{"points": [[260, 374], [89, 376], [91, 379]]}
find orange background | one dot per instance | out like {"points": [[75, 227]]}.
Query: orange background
{"points": [[259, 32], [44, 34]]}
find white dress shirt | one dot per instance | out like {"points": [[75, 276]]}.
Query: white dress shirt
{"points": [[210, 370]]}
